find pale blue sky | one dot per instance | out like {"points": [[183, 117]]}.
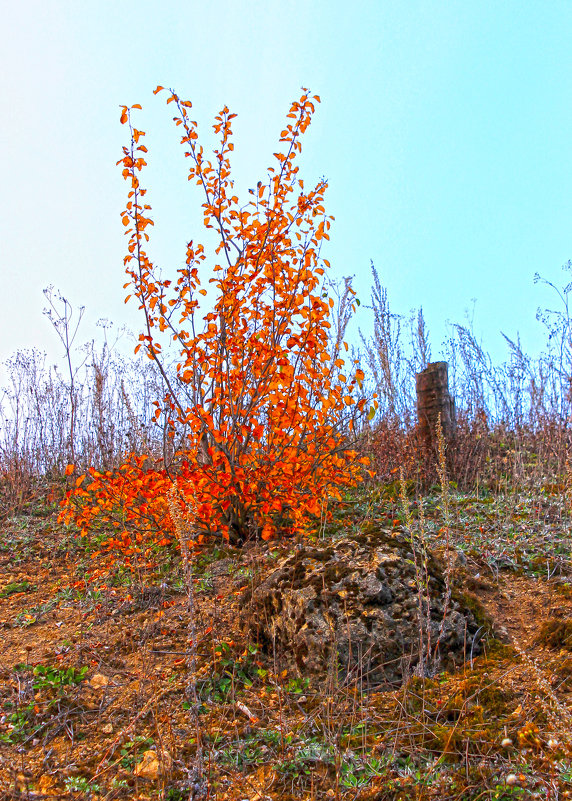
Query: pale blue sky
{"points": [[444, 130]]}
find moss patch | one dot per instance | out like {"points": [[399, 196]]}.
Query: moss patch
{"points": [[556, 633]]}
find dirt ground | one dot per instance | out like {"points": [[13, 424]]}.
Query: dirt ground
{"points": [[95, 690]]}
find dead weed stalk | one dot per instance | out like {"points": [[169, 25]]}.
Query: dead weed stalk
{"points": [[184, 526]]}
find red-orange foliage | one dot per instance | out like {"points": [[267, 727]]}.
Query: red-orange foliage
{"points": [[130, 503], [259, 393]]}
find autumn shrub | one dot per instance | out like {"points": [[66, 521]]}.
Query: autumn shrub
{"points": [[253, 407], [263, 403]]}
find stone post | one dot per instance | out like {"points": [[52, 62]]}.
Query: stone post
{"points": [[433, 399]]}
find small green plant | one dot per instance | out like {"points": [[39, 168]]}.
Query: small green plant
{"points": [[503, 792], [26, 618], [293, 768], [297, 686], [231, 673], [241, 757], [26, 720], [175, 794], [204, 583], [79, 784], [244, 572], [16, 587], [22, 723], [132, 751], [30, 616], [56, 678], [357, 772]]}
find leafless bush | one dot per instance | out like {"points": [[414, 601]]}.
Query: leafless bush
{"points": [[517, 411], [111, 403]]}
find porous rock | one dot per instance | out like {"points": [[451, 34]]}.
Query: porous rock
{"points": [[354, 604]]}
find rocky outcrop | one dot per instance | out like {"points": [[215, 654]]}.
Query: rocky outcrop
{"points": [[353, 605]]}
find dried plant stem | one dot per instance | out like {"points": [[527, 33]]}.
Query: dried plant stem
{"points": [[421, 577], [446, 529], [184, 527], [568, 483], [138, 433]]}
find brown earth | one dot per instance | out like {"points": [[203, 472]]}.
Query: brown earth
{"points": [[123, 730]]}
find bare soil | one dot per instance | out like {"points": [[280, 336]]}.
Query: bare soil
{"points": [[95, 687]]}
